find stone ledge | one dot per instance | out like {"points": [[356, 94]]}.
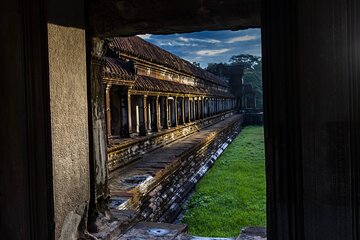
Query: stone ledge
{"points": [[130, 150], [252, 233]]}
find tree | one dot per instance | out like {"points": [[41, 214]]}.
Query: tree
{"points": [[196, 64], [246, 60]]}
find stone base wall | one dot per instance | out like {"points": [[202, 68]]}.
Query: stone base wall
{"points": [[254, 118], [131, 149], [162, 200]]}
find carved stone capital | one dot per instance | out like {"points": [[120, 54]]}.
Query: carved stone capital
{"points": [[99, 47]]}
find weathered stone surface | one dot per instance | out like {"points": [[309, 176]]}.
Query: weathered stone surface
{"points": [[98, 127], [125, 18], [252, 233], [125, 151], [75, 223], [113, 223], [70, 225], [154, 187], [210, 238], [154, 231], [69, 120], [157, 184]]}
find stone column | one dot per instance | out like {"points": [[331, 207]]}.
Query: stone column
{"points": [[199, 108], [198, 103], [108, 110], [100, 190], [124, 113], [176, 111], [183, 110], [166, 126], [216, 105], [145, 105], [158, 113], [142, 115], [153, 113], [205, 108], [189, 110], [194, 109], [129, 111], [202, 107]]}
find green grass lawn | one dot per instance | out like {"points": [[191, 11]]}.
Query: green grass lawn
{"points": [[232, 195]]}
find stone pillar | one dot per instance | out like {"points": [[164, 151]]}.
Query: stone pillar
{"points": [[158, 113], [183, 110], [124, 113], [145, 113], [216, 105], [108, 110], [198, 108], [194, 109], [142, 115], [206, 107], [129, 112], [166, 121], [189, 110], [154, 114], [202, 107], [209, 107], [175, 112], [100, 190]]}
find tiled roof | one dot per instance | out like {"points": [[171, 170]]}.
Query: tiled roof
{"points": [[137, 47], [116, 68], [145, 83], [123, 70]]}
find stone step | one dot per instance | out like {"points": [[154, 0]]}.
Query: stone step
{"points": [[210, 238], [252, 233], [188, 237], [153, 231]]}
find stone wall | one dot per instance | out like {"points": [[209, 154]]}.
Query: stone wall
{"points": [[129, 151], [69, 124], [254, 118]]}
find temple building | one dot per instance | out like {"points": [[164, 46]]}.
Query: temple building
{"points": [[151, 92]]}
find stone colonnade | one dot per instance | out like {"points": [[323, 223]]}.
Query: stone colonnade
{"points": [[130, 112]]}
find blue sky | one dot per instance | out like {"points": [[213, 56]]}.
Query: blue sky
{"points": [[209, 46]]}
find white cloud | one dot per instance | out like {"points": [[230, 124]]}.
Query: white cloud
{"points": [[241, 39], [206, 40], [145, 36], [184, 39], [212, 52], [176, 43]]}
